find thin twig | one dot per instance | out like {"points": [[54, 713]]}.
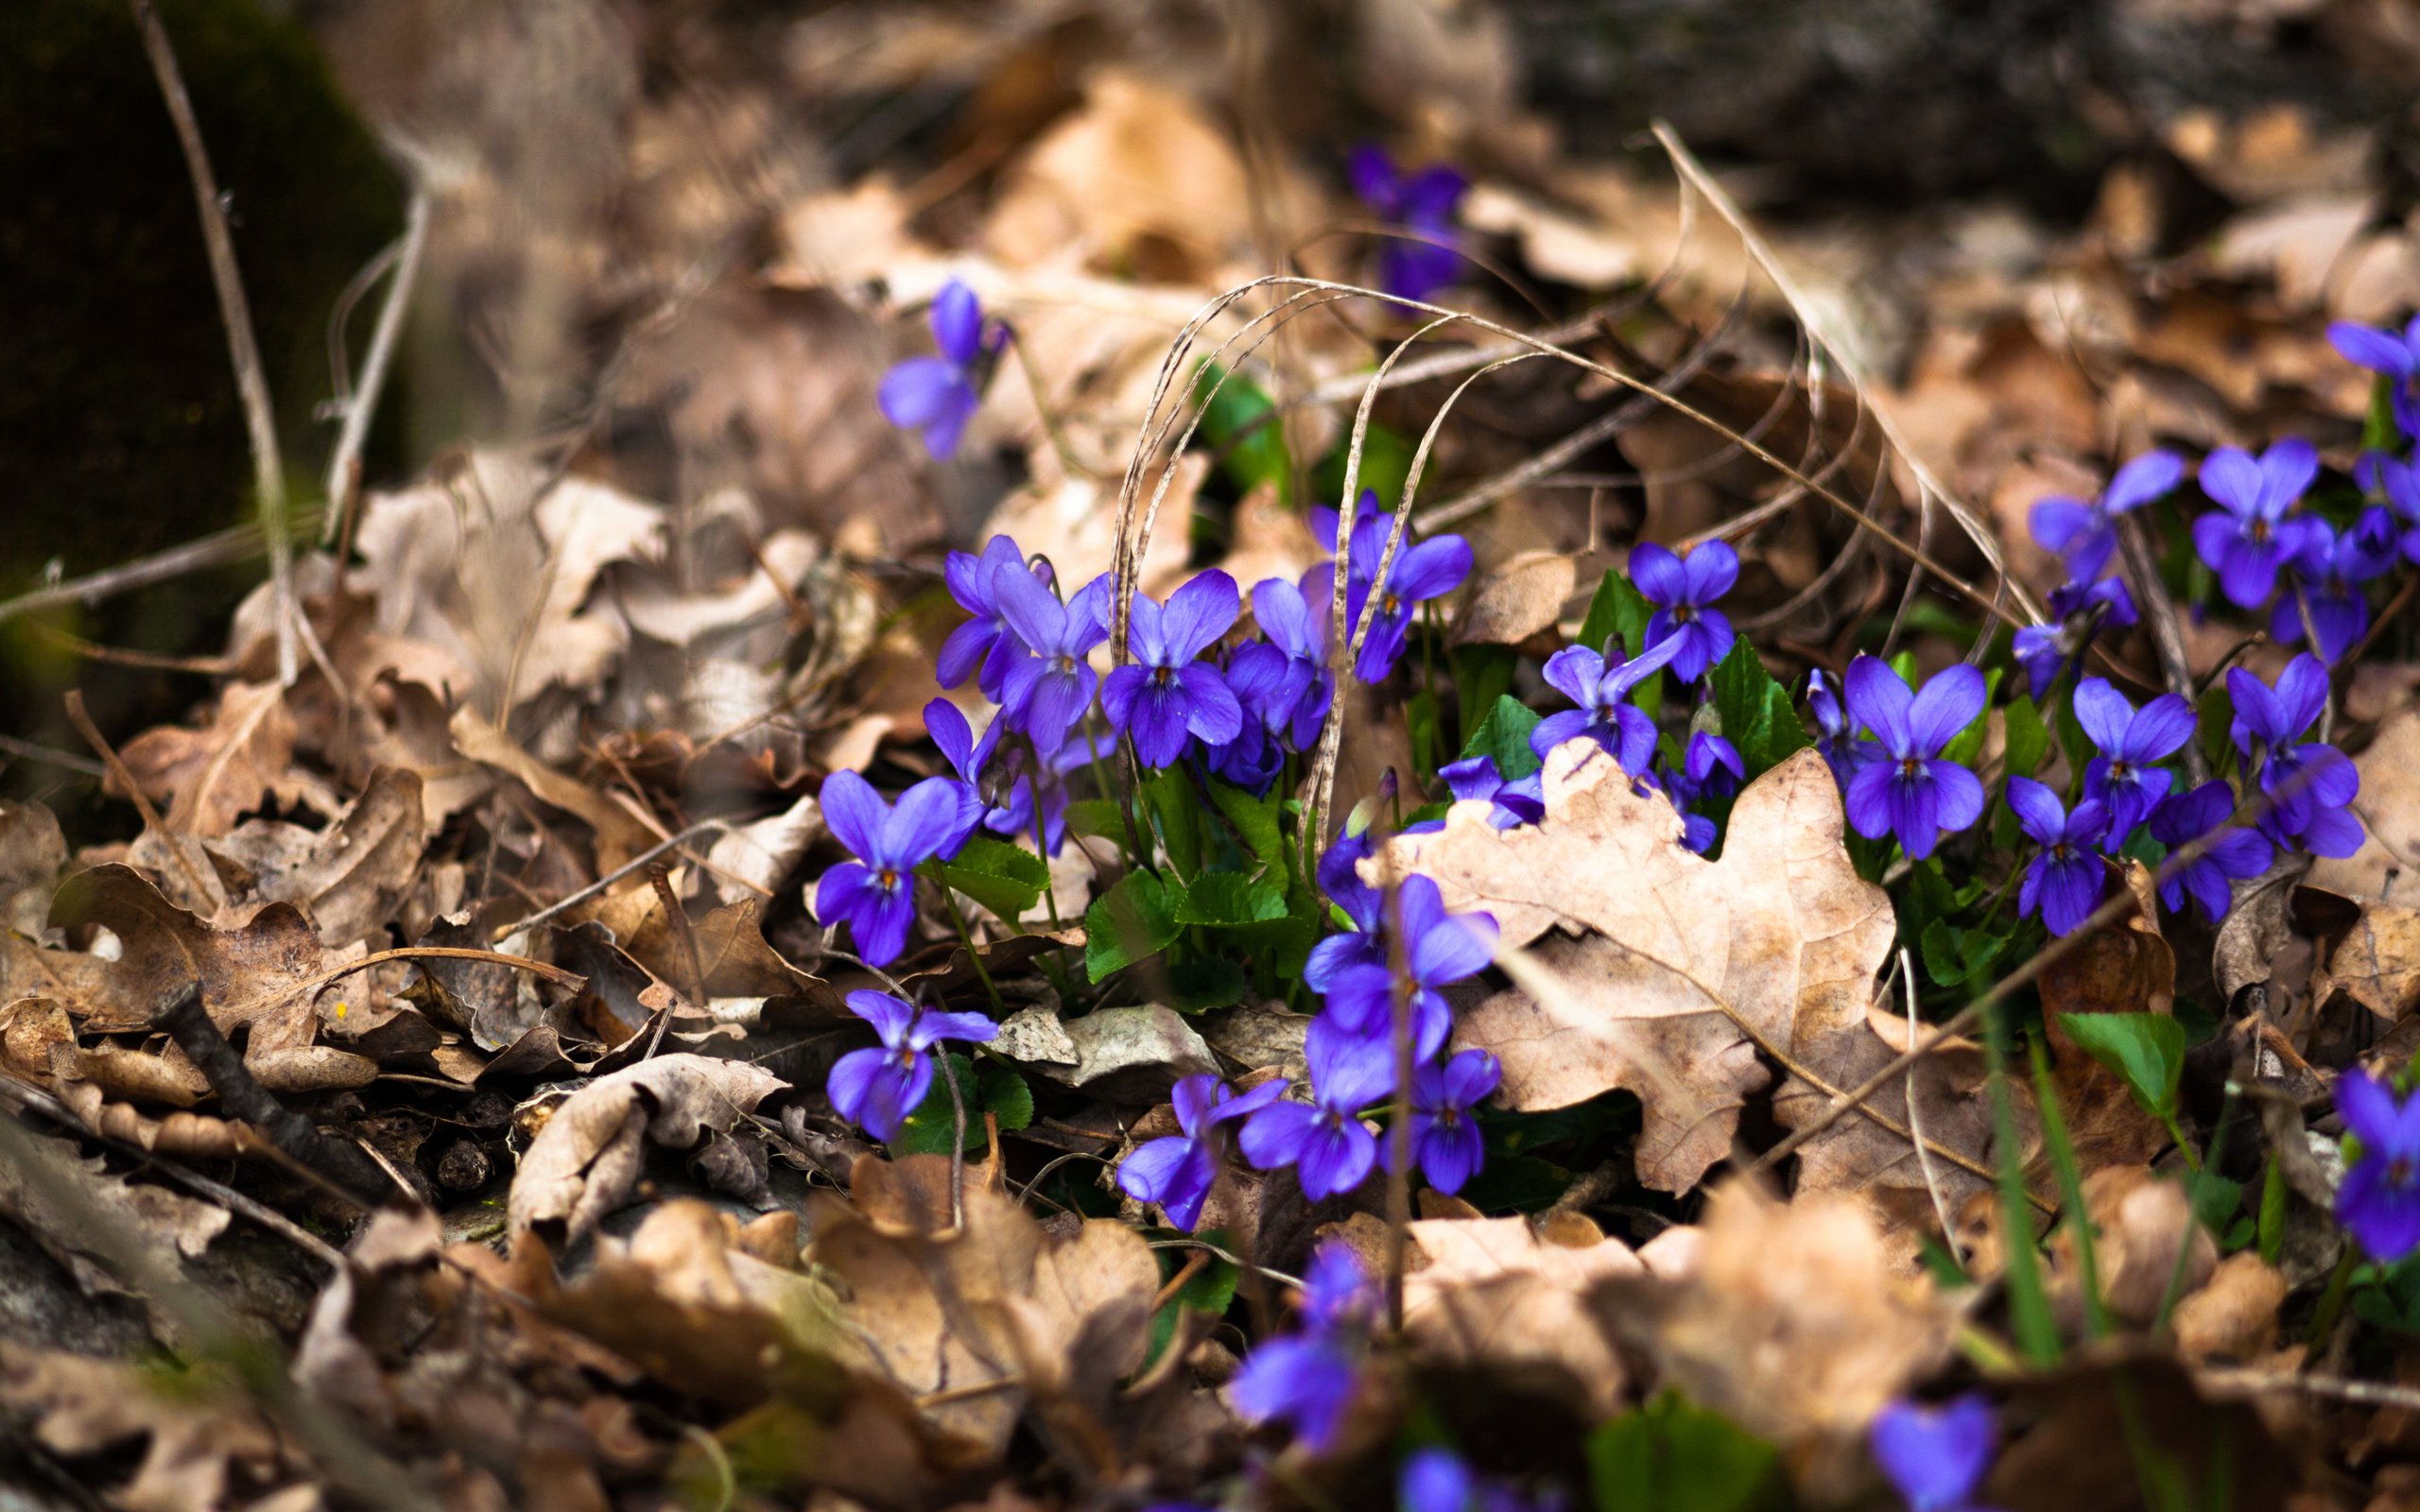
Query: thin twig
{"points": [[361, 404], [233, 544], [555, 910], [1916, 1118], [151, 820], [2168, 635], [243, 348], [26, 750]]}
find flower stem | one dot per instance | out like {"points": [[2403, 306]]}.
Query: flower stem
{"points": [[966, 938]]}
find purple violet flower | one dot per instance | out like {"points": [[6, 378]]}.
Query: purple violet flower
{"points": [[1834, 740], [2400, 483], [1286, 621], [1422, 202], [1339, 1293], [1935, 1457], [1048, 691], [1304, 1382], [876, 894], [1445, 1142], [1177, 1172], [983, 648], [1428, 570], [1600, 685], [967, 756], [2250, 535], [2326, 592], [2237, 853], [2397, 355], [1325, 1141], [1268, 686], [2379, 1198], [1519, 801], [1168, 691], [1015, 817], [2308, 785], [1339, 878], [1682, 590], [2048, 652], [2065, 881], [1440, 949], [1436, 1480], [939, 395], [2129, 741], [877, 1088], [1905, 787], [2085, 534], [1712, 768]]}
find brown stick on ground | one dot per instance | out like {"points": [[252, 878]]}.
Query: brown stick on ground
{"points": [[182, 1018], [251, 379]]}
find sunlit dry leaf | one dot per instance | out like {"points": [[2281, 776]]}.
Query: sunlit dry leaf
{"points": [[1496, 1293], [1517, 599], [619, 834], [763, 854], [2378, 962], [2389, 809], [1669, 971], [246, 972], [351, 876], [584, 1161], [211, 777], [2234, 1315], [1792, 1321], [32, 851], [2142, 1225]]}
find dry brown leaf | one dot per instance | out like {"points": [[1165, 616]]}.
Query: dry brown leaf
{"points": [[1792, 1321], [246, 972], [32, 851], [170, 1226], [1666, 971], [198, 1444], [619, 834], [210, 778], [2235, 1316], [2378, 962], [1517, 599], [584, 1161], [352, 875], [1498, 1293], [2388, 806], [2126, 968], [2142, 1224], [761, 855]]}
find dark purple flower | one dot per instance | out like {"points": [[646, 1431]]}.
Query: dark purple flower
{"points": [[2123, 776], [1419, 573], [1838, 743], [1905, 787], [1325, 1141], [876, 894], [2400, 483], [2325, 591], [938, 395], [983, 647], [1047, 690], [1436, 1480], [1304, 1382], [2396, 355], [1935, 1457], [2308, 785], [1177, 1172], [2048, 652], [2085, 534], [1267, 685], [2379, 1198], [1015, 817], [1168, 691], [1712, 768], [1339, 878], [1286, 621], [1422, 203], [1682, 590], [1440, 949], [877, 1088], [2250, 535], [1516, 802], [1446, 1143], [1600, 685], [2235, 852], [967, 756], [2064, 880]]}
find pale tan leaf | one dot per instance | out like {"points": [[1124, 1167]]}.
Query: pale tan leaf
{"points": [[210, 777], [1495, 1293], [586, 1159]]}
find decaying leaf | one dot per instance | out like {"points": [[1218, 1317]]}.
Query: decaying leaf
{"points": [[169, 1225], [211, 777], [202, 1452], [2378, 962], [583, 1162], [1664, 973], [1498, 1293], [2388, 806], [2126, 968]]}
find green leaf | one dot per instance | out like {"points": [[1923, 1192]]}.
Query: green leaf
{"points": [[1197, 984], [2380, 431], [1174, 803], [2389, 1297], [1504, 737], [1229, 900], [2028, 738], [1241, 426], [2216, 1199], [1483, 674], [993, 1087], [2145, 1050], [1386, 462], [1096, 818], [1421, 718], [1131, 920], [1211, 1290], [1004, 877], [1954, 956], [1669, 1456], [2271, 1228], [1257, 820], [1757, 717]]}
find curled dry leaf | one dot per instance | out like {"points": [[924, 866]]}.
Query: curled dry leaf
{"points": [[2142, 1226], [1656, 971], [360, 868], [619, 834], [757, 856], [1497, 1293], [210, 777], [584, 1161], [1789, 1319]]}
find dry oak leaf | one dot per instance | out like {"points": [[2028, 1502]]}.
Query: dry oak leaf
{"points": [[1664, 973], [619, 834], [211, 777], [1791, 1320], [588, 1153], [2378, 962], [1499, 1294]]}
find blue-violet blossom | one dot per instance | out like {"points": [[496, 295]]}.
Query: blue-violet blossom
{"points": [[1601, 684], [2396, 354], [2129, 741], [983, 648], [1047, 690], [2085, 534], [1445, 1142], [1906, 788], [876, 1089], [1168, 691], [1422, 203], [2233, 853], [2065, 881], [1684, 589], [2250, 535], [938, 395], [1428, 570], [1325, 1141], [876, 894], [2379, 1197], [1177, 1172], [1935, 1457], [2309, 786]]}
